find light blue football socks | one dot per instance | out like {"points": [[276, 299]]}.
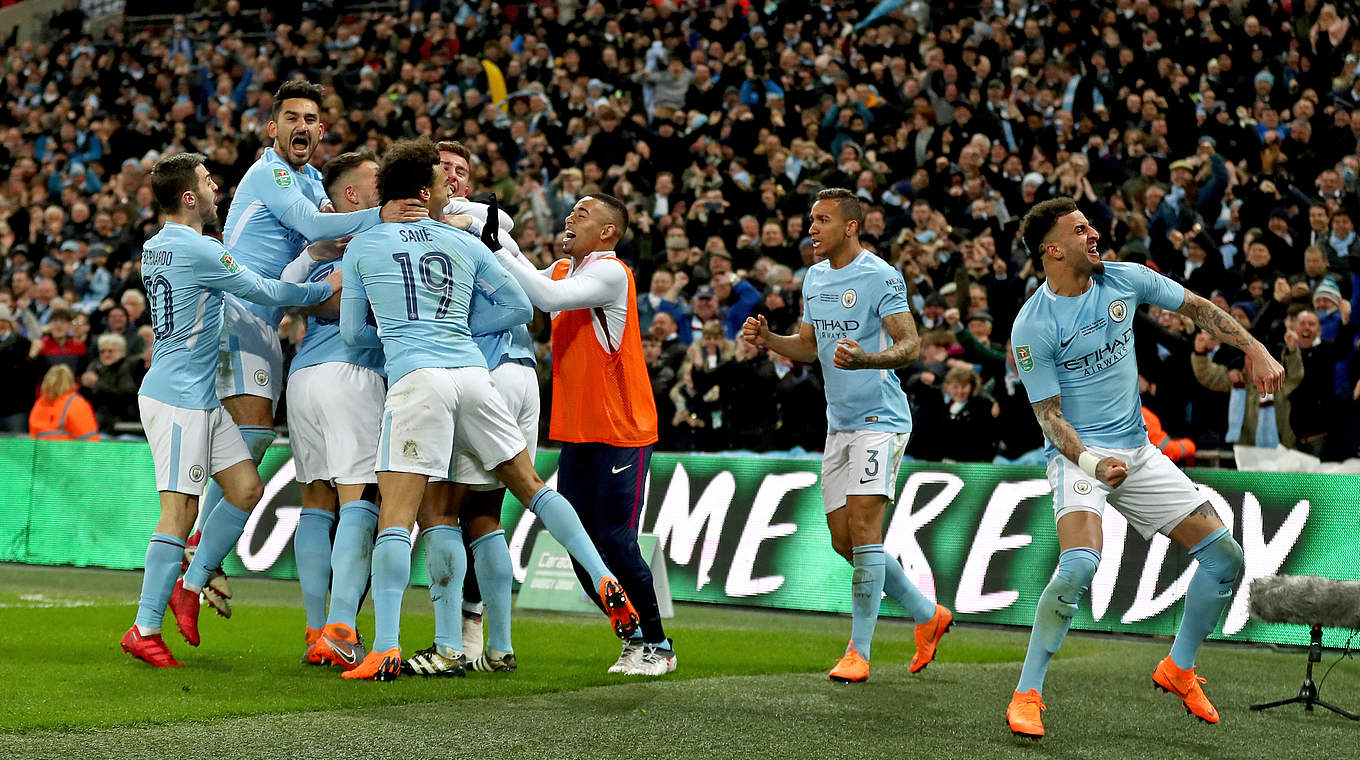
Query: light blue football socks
{"points": [[1211, 589], [867, 591], [1053, 617], [495, 576], [351, 558], [446, 564], [164, 555], [312, 551], [391, 574]]}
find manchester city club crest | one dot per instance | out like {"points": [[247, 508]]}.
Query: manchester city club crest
{"points": [[261, 378], [1082, 487], [848, 298], [1118, 311], [196, 474]]}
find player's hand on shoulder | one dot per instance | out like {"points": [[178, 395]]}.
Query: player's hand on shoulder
{"points": [[407, 210], [461, 221], [849, 355], [1112, 470], [334, 279]]}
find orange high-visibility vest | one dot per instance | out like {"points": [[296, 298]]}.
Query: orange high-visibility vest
{"points": [[1176, 449], [69, 417], [600, 396]]}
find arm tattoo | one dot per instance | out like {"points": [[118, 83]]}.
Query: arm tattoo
{"points": [[1205, 510], [906, 344], [1215, 321], [1056, 427]]}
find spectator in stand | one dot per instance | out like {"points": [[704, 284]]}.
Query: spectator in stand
{"points": [[665, 330], [1019, 439], [698, 392], [662, 375], [1168, 129], [736, 299], [134, 303], [964, 418], [18, 380], [112, 384], [801, 400], [1316, 403], [1247, 405], [58, 344], [61, 413], [748, 376], [662, 295]]}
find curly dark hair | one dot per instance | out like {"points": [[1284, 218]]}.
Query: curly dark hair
{"points": [[407, 168], [1039, 222]]}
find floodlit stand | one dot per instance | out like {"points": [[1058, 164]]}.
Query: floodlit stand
{"points": [[1308, 692]]}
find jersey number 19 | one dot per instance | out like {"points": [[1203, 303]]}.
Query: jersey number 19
{"points": [[440, 282]]}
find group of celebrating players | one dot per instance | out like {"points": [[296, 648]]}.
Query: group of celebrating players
{"points": [[414, 389]]}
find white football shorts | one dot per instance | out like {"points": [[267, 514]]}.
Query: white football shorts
{"points": [[188, 446], [1154, 498], [860, 462], [517, 385], [428, 409], [249, 356], [335, 412]]}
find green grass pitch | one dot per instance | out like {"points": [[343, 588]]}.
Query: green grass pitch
{"points": [[750, 684]]}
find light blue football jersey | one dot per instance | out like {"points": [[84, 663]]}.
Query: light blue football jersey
{"points": [[323, 343], [851, 302], [419, 278], [185, 274], [275, 213], [1082, 348], [513, 345]]}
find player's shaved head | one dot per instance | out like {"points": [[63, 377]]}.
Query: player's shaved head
{"points": [[616, 211], [336, 173], [1039, 223], [173, 176], [407, 168]]}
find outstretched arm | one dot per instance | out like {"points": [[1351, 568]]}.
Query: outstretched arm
{"points": [[1265, 371], [1064, 437]]}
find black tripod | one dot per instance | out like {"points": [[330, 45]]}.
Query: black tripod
{"points": [[1308, 692]]}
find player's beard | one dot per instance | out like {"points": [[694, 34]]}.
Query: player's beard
{"points": [[287, 150]]}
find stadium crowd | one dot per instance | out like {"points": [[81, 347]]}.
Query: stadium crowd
{"points": [[1214, 141]]}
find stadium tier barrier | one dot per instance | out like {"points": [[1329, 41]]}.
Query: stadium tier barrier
{"points": [[741, 530]]}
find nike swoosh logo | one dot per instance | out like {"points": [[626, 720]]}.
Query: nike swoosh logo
{"points": [[350, 656], [863, 481], [618, 470], [1063, 343]]}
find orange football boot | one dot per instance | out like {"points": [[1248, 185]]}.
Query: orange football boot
{"points": [[852, 668], [1023, 715], [312, 636], [1184, 684], [377, 666], [337, 645], [928, 635], [622, 614]]}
